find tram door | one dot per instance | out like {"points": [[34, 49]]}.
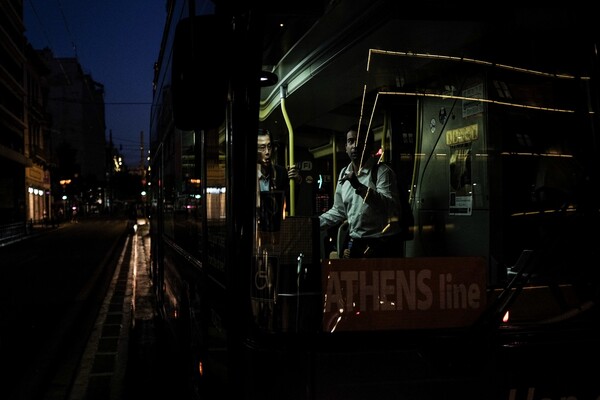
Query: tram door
{"points": [[451, 200]]}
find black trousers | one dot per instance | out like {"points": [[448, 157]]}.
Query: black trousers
{"points": [[382, 247]]}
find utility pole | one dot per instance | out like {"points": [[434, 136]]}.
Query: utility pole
{"points": [[142, 153]]}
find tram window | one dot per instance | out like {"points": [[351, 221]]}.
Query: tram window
{"points": [[200, 66]]}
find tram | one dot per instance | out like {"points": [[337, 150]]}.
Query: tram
{"points": [[491, 120]]}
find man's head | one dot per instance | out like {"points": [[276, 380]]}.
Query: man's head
{"points": [[358, 140], [264, 149]]}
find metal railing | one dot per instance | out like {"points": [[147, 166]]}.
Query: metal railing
{"points": [[14, 231], [20, 230]]}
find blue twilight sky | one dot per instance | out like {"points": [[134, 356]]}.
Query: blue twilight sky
{"points": [[117, 43]]}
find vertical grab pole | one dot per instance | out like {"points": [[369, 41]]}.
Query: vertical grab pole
{"points": [[384, 150], [292, 161], [334, 153]]}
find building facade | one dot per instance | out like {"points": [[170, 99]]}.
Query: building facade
{"points": [[78, 132], [13, 162], [53, 151], [37, 140]]}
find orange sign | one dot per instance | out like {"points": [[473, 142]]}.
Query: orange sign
{"points": [[402, 293]]}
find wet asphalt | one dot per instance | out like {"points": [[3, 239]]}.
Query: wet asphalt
{"points": [[125, 357]]}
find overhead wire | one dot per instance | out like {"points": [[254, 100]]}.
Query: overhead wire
{"points": [[60, 63], [62, 13]]}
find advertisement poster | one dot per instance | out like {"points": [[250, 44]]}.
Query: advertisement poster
{"points": [[402, 293], [461, 196]]}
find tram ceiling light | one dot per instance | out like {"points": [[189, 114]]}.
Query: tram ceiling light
{"points": [[323, 150], [268, 78]]}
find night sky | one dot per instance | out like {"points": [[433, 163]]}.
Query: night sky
{"points": [[117, 43]]}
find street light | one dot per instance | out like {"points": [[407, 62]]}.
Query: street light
{"points": [[64, 183]]}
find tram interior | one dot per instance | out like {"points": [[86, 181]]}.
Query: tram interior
{"points": [[493, 154]]}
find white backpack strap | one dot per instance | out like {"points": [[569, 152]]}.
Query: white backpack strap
{"points": [[342, 174]]}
